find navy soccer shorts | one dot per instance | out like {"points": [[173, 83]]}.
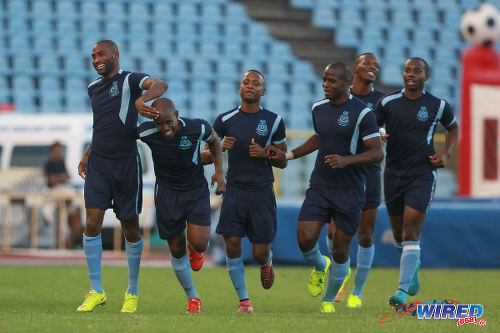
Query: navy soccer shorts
{"points": [[174, 208], [114, 184], [343, 205], [373, 187], [413, 191], [248, 212]]}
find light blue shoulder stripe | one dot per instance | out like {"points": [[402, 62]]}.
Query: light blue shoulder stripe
{"points": [[142, 81], [195, 155], [355, 134], [434, 123], [373, 135], [229, 115], [148, 132], [387, 99], [92, 83], [274, 129], [318, 103], [454, 120], [125, 99]]}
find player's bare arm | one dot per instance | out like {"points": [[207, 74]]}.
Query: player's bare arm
{"points": [[215, 149], [82, 166], [154, 89], [373, 154], [438, 160], [311, 145]]}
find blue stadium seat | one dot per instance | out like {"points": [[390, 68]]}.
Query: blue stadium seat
{"points": [[23, 65], [305, 4], [91, 9], [392, 74], [186, 30], [211, 13], [210, 49], [18, 43], [77, 102], [138, 29], [162, 11], [66, 27], [90, 27], [139, 11], [257, 50], [277, 69], [280, 50], [177, 67], [42, 26], [226, 69], [186, 48], [50, 102], [226, 102], [376, 16], [17, 25], [258, 31], [235, 12], [151, 66], [302, 69], [324, 18], [16, 8], [346, 36], [401, 17], [211, 31], [350, 16], [233, 50], [187, 12], [48, 64], [115, 10], [202, 68], [65, 9]]}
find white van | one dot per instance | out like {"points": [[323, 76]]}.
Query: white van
{"points": [[25, 141]]}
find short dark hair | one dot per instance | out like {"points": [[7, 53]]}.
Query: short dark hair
{"points": [[356, 60], [55, 144], [110, 44], [426, 65], [346, 73]]}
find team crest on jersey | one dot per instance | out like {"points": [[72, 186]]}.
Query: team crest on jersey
{"points": [[114, 89], [422, 114], [184, 144], [344, 119], [262, 128]]}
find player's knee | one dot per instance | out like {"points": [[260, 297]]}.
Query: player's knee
{"points": [[365, 239], [340, 255], [199, 245]]}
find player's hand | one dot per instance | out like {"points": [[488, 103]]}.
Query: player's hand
{"points": [[438, 160], [256, 151], [228, 143], [146, 110], [273, 153], [384, 137], [82, 167], [218, 178], [335, 161]]}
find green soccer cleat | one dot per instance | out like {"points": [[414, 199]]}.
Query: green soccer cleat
{"points": [[414, 284], [327, 307], [343, 288], [317, 279], [353, 302], [92, 299], [130, 303], [398, 299]]}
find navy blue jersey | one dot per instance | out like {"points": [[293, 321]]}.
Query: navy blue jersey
{"points": [[341, 130], [411, 125], [370, 100], [115, 115], [177, 161], [265, 127]]}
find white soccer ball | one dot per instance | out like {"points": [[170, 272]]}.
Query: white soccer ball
{"points": [[481, 27], [382, 131]]}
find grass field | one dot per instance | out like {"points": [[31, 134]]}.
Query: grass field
{"points": [[44, 299]]}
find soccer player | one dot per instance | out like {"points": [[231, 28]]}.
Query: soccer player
{"points": [[249, 205], [336, 190], [411, 116], [365, 69], [111, 165], [181, 191]]}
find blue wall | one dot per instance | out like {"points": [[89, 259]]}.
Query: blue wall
{"points": [[456, 233]]}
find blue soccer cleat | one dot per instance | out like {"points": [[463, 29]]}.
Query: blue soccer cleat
{"points": [[399, 298]]}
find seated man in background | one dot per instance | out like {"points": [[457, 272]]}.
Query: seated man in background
{"points": [[57, 176]]}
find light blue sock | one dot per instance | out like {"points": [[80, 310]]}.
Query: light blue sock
{"points": [[365, 260], [338, 273], [182, 270], [398, 246], [409, 259], [93, 253], [134, 251], [329, 244], [314, 258], [269, 258], [236, 271]]}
